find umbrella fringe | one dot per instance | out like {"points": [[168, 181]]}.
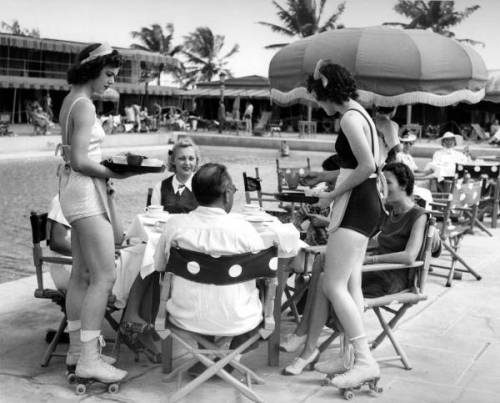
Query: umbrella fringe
{"points": [[368, 98]]}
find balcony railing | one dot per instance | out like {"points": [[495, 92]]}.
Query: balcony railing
{"points": [[48, 69]]}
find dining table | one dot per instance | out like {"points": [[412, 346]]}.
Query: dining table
{"points": [[147, 229]]}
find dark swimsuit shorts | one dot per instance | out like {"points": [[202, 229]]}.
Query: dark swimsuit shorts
{"points": [[364, 211]]}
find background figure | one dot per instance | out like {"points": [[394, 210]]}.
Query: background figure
{"points": [[221, 115], [388, 132], [47, 106], [247, 117]]}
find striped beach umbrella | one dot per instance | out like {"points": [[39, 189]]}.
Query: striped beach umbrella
{"points": [[391, 66]]}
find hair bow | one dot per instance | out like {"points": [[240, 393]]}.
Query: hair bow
{"points": [[102, 50], [317, 75]]}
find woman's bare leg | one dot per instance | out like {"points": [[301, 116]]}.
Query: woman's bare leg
{"points": [[78, 281], [344, 258], [97, 252]]}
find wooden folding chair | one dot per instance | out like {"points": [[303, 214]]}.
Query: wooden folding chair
{"points": [[218, 271], [458, 216], [488, 172], [39, 234], [253, 192], [417, 274]]}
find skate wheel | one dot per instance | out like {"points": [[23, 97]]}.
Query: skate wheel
{"points": [[80, 389], [113, 388], [71, 377], [379, 390], [325, 381], [348, 394]]}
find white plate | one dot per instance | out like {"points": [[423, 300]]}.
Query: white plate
{"points": [[258, 218]]}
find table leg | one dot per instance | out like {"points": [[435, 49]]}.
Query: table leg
{"points": [[273, 345], [494, 212]]}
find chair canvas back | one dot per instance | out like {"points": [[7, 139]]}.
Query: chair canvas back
{"points": [[222, 270], [466, 195]]}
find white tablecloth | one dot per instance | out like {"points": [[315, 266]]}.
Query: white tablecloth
{"points": [[273, 232]]}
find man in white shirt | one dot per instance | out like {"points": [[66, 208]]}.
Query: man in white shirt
{"points": [[208, 309]]}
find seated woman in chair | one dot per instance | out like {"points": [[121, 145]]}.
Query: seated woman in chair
{"points": [[175, 194], [399, 241]]}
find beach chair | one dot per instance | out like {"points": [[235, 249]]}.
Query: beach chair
{"points": [[477, 133], [395, 305], [458, 214], [261, 126], [40, 229], [4, 124], [289, 177], [220, 271]]}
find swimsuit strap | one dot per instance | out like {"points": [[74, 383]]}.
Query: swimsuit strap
{"points": [[371, 133], [67, 118]]}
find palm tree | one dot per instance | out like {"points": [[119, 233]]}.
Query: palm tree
{"points": [[202, 49], [15, 29], [302, 19], [155, 40], [439, 16]]}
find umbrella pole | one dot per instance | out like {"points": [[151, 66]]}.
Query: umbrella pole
{"points": [[408, 114]]}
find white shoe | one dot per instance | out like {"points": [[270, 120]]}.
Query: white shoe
{"points": [[292, 343], [90, 365], [300, 364], [365, 368]]}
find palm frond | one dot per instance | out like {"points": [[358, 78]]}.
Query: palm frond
{"points": [[277, 28]]}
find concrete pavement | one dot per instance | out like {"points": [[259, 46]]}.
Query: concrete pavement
{"points": [[452, 340]]}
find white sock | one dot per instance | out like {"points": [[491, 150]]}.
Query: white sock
{"points": [[74, 325], [88, 335]]}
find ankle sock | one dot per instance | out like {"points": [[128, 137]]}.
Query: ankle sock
{"points": [[88, 335]]}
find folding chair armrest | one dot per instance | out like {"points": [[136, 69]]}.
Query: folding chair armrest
{"points": [[161, 318], [57, 259], [269, 323], [391, 266], [436, 204]]}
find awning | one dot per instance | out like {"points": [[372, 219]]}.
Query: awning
{"points": [[56, 45], [57, 84], [36, 83], [228, 93]]}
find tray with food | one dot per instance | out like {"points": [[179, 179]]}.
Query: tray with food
{"points": [[134, 163]]}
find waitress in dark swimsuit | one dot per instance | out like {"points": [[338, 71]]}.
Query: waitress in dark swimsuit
{"points": [[356, 211]]}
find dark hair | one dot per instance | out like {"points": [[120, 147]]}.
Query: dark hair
{"points": [[403, 175], [210, 182], [83, 73], [341, 85]]}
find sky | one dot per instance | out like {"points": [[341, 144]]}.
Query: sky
{"points": [[113, 20]]}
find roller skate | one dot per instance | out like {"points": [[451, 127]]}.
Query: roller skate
{"points": [[74, 354], [337, 366], [365, 371], [92, 369]]}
